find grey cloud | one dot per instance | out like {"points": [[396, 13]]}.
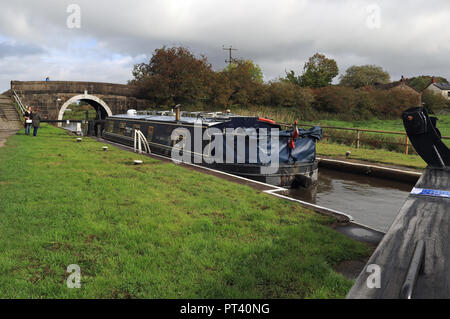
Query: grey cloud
{"points": [[17, 49], [276, 34]]}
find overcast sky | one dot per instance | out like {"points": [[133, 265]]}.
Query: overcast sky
{"points": [[404, 37]]}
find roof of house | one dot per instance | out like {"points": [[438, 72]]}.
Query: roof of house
{"points": [[442, 86]]}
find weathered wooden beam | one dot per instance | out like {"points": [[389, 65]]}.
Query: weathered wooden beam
{"points": [[422, 218]]}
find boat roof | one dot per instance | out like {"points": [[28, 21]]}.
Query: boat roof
{"points": [[203, 118]]}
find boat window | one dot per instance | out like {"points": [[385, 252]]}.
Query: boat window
{"points": [[122, 128], [150, 133], [162, 135], [136, 127], [110, 127]]}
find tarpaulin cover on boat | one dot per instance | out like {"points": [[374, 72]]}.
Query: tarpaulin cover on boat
{"points": [[258, 149]]}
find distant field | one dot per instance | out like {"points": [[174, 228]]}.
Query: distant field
{"points": [[152, 231], [78, 112], [385, 125], [369, 140]]}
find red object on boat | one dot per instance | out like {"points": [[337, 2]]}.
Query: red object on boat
{"points": [[294, 136], [261, 119]]}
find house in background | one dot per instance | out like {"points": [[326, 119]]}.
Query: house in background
{"points": [[439, 88], [401, 85]]}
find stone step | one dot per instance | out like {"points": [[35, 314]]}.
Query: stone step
{"points": [[8, 113], [12, 117], [10, 125], [12, 111]]}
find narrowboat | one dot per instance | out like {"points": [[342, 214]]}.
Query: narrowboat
{"points": [[252, 147]]}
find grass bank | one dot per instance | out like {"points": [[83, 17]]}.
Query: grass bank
{"points": [[370, 155], [289, 115], [152, 231]]}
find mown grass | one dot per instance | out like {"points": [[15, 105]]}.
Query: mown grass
{"points": [[289, 115], [77, 114], [370, 155], [152, 231], [384, 125]]}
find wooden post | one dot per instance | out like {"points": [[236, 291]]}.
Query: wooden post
{"points": [[357, 139], [406, 144]]}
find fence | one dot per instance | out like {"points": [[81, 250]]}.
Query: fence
{"points": [[357, 140]]}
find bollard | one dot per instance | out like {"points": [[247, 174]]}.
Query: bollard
{"points": [[105, 148], [79, 139], [137, 162], [78, 129]]}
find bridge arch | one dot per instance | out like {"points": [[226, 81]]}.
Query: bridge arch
{"points": [[51, 96], [101, 107]]}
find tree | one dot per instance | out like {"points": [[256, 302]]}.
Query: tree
{"points": [[291, 78], [253, 69], [364, 75], [434, 102], [244, 81], [318, 71], [173, 75]]}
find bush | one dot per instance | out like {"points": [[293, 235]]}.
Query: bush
{"points": [[391, 103], [287, 94], [336, 99], [434, 102]]}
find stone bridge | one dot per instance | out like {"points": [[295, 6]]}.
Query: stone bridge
{"points": [[53, 97]]}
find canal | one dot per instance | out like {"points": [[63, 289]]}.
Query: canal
{"points": [[72, 126], [371, 201]]}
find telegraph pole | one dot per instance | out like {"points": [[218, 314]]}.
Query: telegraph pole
{"points": [[229, 49]]}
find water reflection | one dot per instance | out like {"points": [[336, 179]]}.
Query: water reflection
{"points": [[371, 201], [72, 126]]}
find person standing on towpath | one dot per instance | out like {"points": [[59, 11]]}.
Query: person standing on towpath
{"points": [[28, 120], [36, 121]]}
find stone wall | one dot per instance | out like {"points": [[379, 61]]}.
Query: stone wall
{"points": [[50, 96]]}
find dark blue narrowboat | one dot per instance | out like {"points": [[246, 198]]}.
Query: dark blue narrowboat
{"points": [[251, 147]]}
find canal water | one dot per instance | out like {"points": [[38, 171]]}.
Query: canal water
{"points": [[72, 126], [371, 201]]}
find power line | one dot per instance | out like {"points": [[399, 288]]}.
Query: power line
{"points": [[229, 49]]}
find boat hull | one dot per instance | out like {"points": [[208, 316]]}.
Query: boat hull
{"points": [[286, 175]]}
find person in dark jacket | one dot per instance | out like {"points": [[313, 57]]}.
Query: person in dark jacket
{"points": [[28, 117], [36, 121]]}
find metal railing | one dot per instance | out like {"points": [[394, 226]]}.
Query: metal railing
{"points": [[357, 139], [139, 141], [19, 102]]}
